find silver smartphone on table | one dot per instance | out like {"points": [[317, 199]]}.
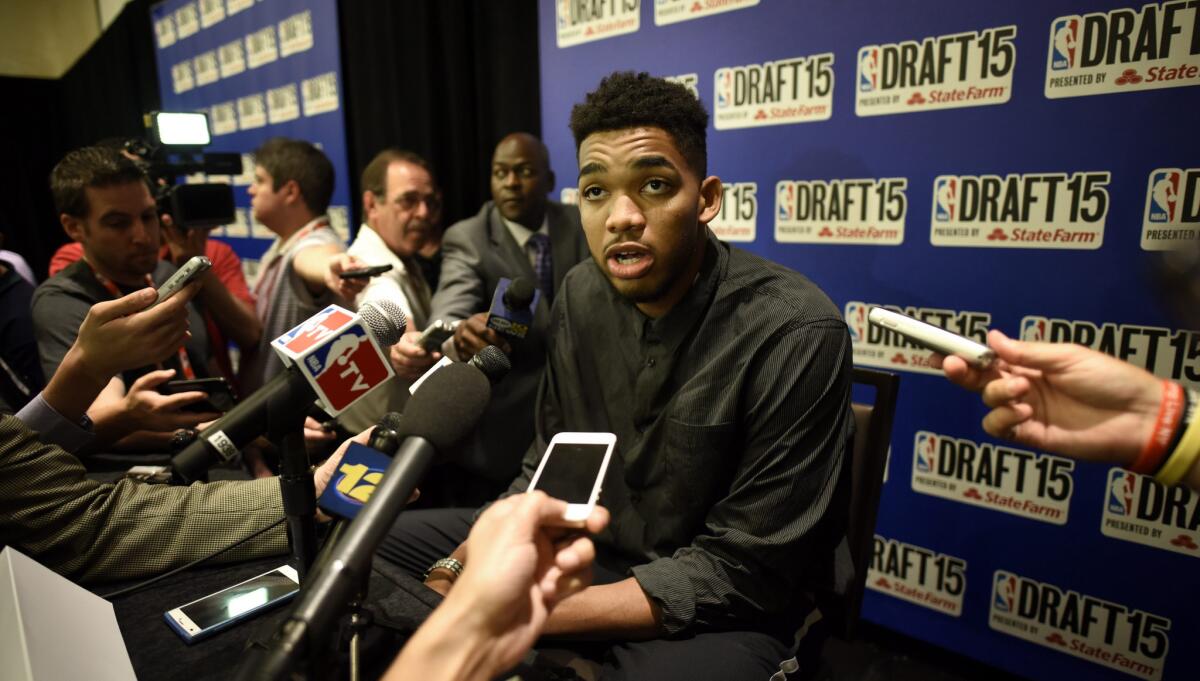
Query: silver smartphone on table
{"points": [[183, 276], [933, 337], [206, 616], [572, 469]]}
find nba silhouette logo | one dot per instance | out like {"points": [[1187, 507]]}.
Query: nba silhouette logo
{"points": [[784, 199], [1005, 599], [1164, 196], [724, 88], [926, 452], [564, 12], [945, 199], [347, 368], [1120, 491], [1033, 329], [856, 320], [316, 329], [868, 69], [1062, 44]]}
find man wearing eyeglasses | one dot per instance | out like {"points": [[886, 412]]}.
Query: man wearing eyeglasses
{"points": [[519, 233], [401, 210]]}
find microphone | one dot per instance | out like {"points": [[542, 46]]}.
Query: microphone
{"points": [[438, 416], [492, 362], [362, 469], [334, 358], [513, 306]]}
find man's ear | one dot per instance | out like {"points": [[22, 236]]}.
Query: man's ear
{"points": [[711, 193], [369, 203], [291, 192], [549, 180], [73, 226]]}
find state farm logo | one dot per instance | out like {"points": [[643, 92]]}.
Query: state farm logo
{"points": [[1111, 634], [1123, 50], [738, 218], [997, 477], [793, 90], [674, 11], [861, 211], [940, 72], [1139, 510], [879, 346], [1168, 353], [1029, 210], [918, 575], [1172, 215], [582, 21]]}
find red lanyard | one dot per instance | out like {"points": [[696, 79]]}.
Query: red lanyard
{"points": [[184, 363]]}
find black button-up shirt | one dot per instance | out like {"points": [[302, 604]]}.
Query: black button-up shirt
{"points": [[732, 420]]}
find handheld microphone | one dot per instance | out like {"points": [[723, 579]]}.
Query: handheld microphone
{"points": [[362, 469], [513, 306], [333, 358], [437, 417], [492, 362]]}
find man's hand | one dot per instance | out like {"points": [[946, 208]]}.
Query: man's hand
{"points": [[524, 559], [347, 289], [328, 469], [184, 244], [409, 359], [147, 409], [1063, 398], [473, 335]]}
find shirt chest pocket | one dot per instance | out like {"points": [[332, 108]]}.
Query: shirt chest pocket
{"points": [[700, 463]]}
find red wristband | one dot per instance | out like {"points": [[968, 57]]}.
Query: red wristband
{"points": [[1170, 413]]}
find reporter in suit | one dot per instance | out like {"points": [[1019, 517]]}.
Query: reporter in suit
{"points": [[519, 233]]}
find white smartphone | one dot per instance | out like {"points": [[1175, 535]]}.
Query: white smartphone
{"points": [[206, 616], [183, 276], [572, 469], [933, 337]]}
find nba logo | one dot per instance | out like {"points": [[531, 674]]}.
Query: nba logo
{"points": [[347, 368], [856, 320], [314, 330], [1164, 196], [564, 12], [945, 199], [1062, 44], [1005, 599], [1120, 492], [868, 69], [1033, 329], [724, 88], [784, 199], [926, 460]]}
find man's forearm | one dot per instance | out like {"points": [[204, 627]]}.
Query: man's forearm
{"points": [[73, 389], [620, 610], [234, 317], [447, 646]]}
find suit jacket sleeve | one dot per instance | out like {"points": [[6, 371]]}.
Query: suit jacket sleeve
{"points": [[461, 292], [92, 531]]}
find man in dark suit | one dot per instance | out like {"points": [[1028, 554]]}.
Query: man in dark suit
{"points": [[519, 233]]}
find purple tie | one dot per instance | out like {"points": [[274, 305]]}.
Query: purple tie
{"points": [[543, 264]]}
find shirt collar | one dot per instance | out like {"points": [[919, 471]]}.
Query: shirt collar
{"points": [[671, 328], [521, 234]]}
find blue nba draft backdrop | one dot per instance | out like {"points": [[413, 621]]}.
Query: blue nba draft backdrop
{"points": [[1008, 165], [260, 70]]}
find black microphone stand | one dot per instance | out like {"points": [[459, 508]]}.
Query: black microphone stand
{"points": [[285, 429]]}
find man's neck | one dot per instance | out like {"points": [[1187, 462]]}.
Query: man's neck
{"points": [[533, 222], [288, 227]]}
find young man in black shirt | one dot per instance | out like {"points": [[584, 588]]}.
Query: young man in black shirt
{"points": [[726, 379]]}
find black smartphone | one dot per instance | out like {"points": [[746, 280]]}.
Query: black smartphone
{"points": [[432, 338], [365, 272], [220, 395]]}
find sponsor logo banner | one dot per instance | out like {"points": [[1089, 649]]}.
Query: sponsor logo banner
{"points": [[232, 58], [295, 33], [1138, 509], [738, 218], [569, 196], [862, 211], [187, 21], [1029, 210], [997, 477], [1169, 353], [1172, 217], [1110, 634], [688, 80], [164, 31], [205, 65], [879, 346], [261, 48], [582, 21], [235, 6], [974, 68], [252, 112], [211, 12], [1125, 50], [181, 77], [223, 118], [793, 90], [283, 104], [918, 575], [674, 11], [320, 94]]}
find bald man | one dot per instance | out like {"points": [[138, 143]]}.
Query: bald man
{"points": [[519, 233]]}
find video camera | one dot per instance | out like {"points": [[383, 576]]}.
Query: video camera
{"points": [[172, 148]]}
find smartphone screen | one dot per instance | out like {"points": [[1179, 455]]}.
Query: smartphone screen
{"points": [[239, 599], [570, 471]]}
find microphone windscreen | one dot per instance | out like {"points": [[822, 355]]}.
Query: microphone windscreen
{"points": [[519, 293], [391, 421], [385, 319], [492, 362], [446, 407]]}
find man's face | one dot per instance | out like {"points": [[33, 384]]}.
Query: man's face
{"points": [[268, 204], [409, 212], [120, 234], [520, 180], [644, 213]]}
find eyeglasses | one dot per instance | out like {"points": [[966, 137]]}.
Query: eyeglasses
{"points": [[524, 172], [411, 200]]}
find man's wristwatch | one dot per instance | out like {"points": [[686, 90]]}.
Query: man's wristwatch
{"points": [[451, 564]]}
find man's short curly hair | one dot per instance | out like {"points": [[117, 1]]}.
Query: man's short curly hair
{"points": [[630, 100], [288, 159]]}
